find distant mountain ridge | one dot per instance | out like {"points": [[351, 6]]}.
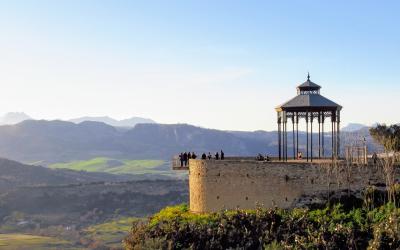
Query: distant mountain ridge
{"points": [[61, 141], [130, 122], [13, 118], [351, 127]]}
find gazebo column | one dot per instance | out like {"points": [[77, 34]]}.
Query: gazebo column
{"points": [[293, 139], [284, 135], [311, 148], [323, 134], [286, 145], [283, 138], [333, 139], [279, 137], [307, 133], [319, 135], [338, 134], [297, 134]]}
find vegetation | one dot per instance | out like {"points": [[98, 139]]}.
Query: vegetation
{"points": [[113, 166], [329, 228], [387, 136], [109, 234]]}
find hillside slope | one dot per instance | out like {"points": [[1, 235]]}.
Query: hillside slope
{"points": [[14, 174]]}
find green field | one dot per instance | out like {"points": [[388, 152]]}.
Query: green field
{"points": [[32, 242], [116, 166], [110, 233]]}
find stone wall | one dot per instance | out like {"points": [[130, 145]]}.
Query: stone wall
{"points": [[231, 184]]}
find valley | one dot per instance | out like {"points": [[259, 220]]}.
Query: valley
{"points": [[81, 186]]}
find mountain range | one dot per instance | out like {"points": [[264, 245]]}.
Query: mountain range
{"points": [[45, 142], [12, 118], [131, 122]]}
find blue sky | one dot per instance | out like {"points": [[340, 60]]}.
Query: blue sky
{"points": [[217, 64]]}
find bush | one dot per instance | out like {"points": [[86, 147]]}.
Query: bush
{"points": [[328, 228]]}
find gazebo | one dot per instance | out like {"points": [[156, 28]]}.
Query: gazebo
{"points": [[310, 105]]}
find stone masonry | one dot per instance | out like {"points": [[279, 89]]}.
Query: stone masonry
{"points": [[245, 184]]}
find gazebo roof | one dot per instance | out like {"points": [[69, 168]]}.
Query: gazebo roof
{"points": [[309, 84], [309, 99]]}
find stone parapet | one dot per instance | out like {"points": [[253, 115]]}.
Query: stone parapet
{"points": [[246, 183]]}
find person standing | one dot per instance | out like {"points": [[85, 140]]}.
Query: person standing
{"points": [[209, 155], [222, 155], [204, 156], [217, 156], [181, 159], [185, 158]]}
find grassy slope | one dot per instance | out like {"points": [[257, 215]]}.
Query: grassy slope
{"points": [[101, 164], [32, 242], [110, 233]]}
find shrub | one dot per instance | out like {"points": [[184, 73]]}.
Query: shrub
{"points": [[328, 228]]}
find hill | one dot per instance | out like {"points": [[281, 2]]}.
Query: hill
{"points": [[351, 127], [60, 141], [14, 174]]}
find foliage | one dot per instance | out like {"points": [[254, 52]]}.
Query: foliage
{"points": [[109, 234], [387, 136], [180, 213], [300, 228]]}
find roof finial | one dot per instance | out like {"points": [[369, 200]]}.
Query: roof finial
{"points": [[308, 76]]}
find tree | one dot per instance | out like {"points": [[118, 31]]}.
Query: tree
{"points": [[387, 136]]}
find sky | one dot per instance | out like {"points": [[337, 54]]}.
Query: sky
{"points": [[215, 64]]}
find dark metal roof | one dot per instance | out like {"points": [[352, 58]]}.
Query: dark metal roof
{"points": [[309, 99], [312, 100], [309, 84]]}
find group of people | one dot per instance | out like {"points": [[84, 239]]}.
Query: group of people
{"points": [[260, 157], [217, 156], [184, 158]]}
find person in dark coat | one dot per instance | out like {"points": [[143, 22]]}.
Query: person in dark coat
{"points": [[189, 155], [185, 158], [204, 156], [222, 155], [181, 159], [217, 156], [194, 156]]}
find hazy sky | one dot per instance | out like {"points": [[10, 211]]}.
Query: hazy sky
{"points": [[217, 64]]}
